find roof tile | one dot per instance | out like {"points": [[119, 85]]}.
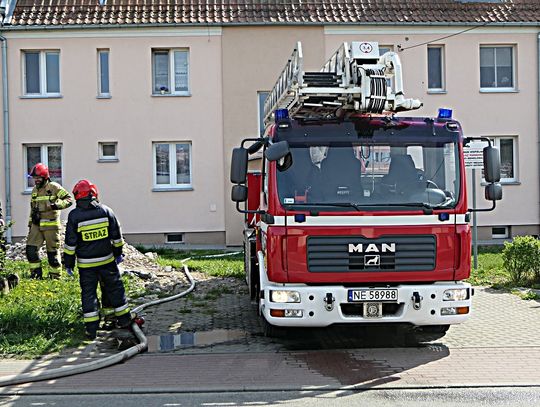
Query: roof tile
{"points": [[225, 12]]}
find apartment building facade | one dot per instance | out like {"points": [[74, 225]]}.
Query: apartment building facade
{"points": [[148, 98]]}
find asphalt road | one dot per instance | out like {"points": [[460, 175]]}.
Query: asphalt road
{"points": [[381, 398]]}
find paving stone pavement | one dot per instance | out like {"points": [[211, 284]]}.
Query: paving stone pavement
{"points": [[215, 343]]}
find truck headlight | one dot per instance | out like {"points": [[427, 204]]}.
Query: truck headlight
{"points": [[456, 294], [284, 296]]}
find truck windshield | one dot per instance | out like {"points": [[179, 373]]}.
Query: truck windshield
{"points": [[389, 173]]}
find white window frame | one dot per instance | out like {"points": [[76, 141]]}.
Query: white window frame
{"points": [[42, 73], [181, 241], [107, 158], [44, 160], [101, 94], [496, 142], [505, 235], [171, 90], [172, 166], [443, 81], [492, 89]]}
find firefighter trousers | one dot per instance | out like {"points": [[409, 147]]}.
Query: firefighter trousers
{"points": [[108, 276], [35, 240]]}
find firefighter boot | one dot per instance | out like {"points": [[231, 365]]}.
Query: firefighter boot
{"points": [[36, 274], [35, 263], [91, 330], [54, 274]]}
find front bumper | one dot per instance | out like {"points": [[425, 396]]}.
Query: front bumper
{"points": [[321, 306]]}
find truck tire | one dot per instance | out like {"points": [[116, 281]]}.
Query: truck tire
{"points": [[423, 334], [272, 331]]}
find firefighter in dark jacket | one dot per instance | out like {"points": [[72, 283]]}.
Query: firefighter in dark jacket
{"points": [[48, 198], [94, 238]]}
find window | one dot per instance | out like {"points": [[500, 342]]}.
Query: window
{"points": [[508, 152], [172, 165], [500, 232], [497, 68], [48, 154], [175, 238], [435, 68], [41, 73], [383, 49], [171, 72], [262, 97], [103, 73], [108, 151]]}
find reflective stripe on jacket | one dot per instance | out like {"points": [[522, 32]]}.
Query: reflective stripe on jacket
{"points": [[41, 200], [93, 235]]}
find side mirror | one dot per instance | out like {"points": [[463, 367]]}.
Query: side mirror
{"points": [[239, 165], [239, 193], [492, 165], [493, 192], [277, 151]]}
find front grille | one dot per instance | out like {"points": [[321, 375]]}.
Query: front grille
{"points": [[327, 254]]}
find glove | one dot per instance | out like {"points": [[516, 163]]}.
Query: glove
{"points": [[69, 271], [54, 207], [119, 259]]}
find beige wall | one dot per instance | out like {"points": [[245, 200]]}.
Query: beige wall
{"points": [[253, 57], [133, 118], [227, 68], [481, 114]]}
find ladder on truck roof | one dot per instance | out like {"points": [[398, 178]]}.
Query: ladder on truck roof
{"points": [[354, 79]]}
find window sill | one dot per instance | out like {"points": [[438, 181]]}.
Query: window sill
{"points": [[108, 160], [436, 92], [498, 90], [483, 183], [171, 95], [40, 97], [103, 97], [26, 192], [172, 189]]}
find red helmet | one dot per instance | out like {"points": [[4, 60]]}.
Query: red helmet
{"points": [[40, 170], [84, 189]]}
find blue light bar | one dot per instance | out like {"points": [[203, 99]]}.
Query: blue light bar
{"points": [[281, 114], [445, 113]]}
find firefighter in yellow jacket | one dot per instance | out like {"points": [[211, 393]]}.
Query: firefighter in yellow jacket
{"points": [[48, 198]]}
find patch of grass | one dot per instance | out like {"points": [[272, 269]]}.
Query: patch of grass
{"points": [[44, 316], [490, 271], [526, 295], [39, 317], [228, 266]]}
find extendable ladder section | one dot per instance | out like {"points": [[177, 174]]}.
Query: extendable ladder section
{"points": [[353, 79]]}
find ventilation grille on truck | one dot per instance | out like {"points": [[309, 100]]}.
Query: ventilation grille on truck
{"points": [[358, 254]]}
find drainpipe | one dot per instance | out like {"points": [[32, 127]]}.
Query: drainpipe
{"points": [[538, 106], [7, 164]]}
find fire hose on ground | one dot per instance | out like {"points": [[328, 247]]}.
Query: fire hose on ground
{"points": [[109, 360]]}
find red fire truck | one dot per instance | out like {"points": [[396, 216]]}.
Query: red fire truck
{"points": [[357, 215]]}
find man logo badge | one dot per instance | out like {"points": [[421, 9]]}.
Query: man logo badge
{"points": [[371, 260]]}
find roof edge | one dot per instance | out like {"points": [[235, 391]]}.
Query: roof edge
{"points": [[349, 24]]}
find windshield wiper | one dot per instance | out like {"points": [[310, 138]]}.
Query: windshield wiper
{"points": [[428, 209], [338, 204]]}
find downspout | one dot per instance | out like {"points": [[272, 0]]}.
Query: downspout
{"points": [[7, 163]]}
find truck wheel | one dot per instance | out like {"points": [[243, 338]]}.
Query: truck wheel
{"points": [[272, 331], [425, 334]]}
